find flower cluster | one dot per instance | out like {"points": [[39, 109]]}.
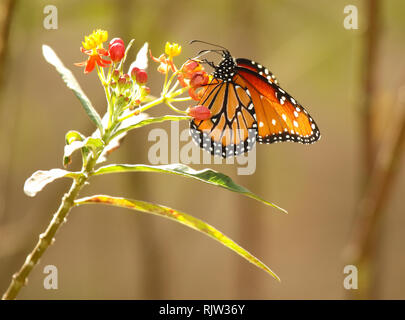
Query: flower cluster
{"points": [[128, 91], [93, 47], [123, 90], [191, 75]]}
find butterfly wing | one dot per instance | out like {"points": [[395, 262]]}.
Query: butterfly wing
{"points": [[279, 116], [232, 128], [257, 68]]}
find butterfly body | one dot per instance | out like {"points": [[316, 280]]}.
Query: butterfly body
{"points": [[248, 105]]}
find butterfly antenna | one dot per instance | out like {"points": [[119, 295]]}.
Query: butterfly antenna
{"points": [[211, 44], [203, 52]]}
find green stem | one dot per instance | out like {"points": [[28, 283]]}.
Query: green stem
{"points": [[181, 99], [46, 238], [171, 80], [174, 108]]}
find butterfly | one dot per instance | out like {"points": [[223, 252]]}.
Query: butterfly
{"points": [[247, 105]]}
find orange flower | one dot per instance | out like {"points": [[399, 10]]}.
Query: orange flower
{"points": [[190, 67], [199, 79], [93, 47], [165, 63], [193, 74], [95, 57]]}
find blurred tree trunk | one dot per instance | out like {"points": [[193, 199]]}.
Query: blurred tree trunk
{"points": [[6, 14], [250, 223], [381, 161]]}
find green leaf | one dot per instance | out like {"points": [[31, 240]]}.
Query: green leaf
{"points": [[41, 178], [207, 175], [149, 121], [95, 144], [141, 60], [74, 141], [180, 217], [72, 136], [71, 82]]}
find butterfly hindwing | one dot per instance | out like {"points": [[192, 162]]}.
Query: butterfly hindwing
{"points": [[232, 128]]}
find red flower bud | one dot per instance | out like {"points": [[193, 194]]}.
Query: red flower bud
{"points": [[116, 74], [133, 73], [139, 75], [122, 81], [116, 51], [114, 41], [200, 112]]}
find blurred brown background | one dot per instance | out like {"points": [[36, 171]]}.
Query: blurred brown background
{"points": [[111, 253]]}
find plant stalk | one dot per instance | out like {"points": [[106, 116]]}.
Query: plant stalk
{"points": [[20, 278]]}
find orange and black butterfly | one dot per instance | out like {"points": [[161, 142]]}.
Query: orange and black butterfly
{"points": [[248, 105]]}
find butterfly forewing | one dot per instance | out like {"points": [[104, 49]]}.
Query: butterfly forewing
{"points": [[257, 68], [279, 116]]}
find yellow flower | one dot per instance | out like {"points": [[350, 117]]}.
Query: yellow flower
{"points": [[95, 40], [172, 49], [93, 47]]}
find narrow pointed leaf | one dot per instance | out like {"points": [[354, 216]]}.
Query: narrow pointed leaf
{"points": [[207, 175], [141, 60], [180, 217], [71, 82], [41, 178]]}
